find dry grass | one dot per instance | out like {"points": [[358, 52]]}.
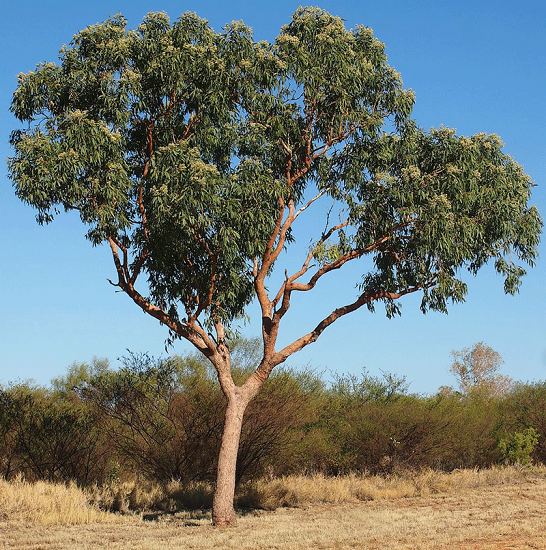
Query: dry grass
{"points": [[44, 503], [490, 510], [145, 496], [298, 491]]}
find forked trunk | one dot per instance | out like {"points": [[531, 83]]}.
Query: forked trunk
{"points": [[223, 513]]}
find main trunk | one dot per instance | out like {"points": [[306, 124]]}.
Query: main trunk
{"points": [[223, 513]]}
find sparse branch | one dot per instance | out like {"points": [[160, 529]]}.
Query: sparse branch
{"points": [[271, 254], [287, 149], [339, 262], [122, 274], [210, 294], [190, 331], [260, 272], [311, 201], [365, 298], [271, 242], [311, 156], [283, 232], [193, 119], [122, 267], [289, 280], [291, 285], [138, 266]]}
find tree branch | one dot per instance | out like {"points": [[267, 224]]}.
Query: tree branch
{"points": [[365, 298], [190, 331], [311, 201], [305, 266]]}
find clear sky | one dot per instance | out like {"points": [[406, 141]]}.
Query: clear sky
{"points": [[474, 66]]}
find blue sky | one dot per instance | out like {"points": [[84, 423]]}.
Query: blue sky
{"points": [[474, 66]]}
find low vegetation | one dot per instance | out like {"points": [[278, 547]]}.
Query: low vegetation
{"points": [[154, 421], [357, 459], [501, 507], [44, 503]]}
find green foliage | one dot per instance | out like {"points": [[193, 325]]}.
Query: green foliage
{"points": [[369, 388], [274, 421], [518, 447], [350, 432], [526, 406], [185, 148], [77, 374], [162, 419], [157, 415], [45, 436], [145, 123], [454, 200]]}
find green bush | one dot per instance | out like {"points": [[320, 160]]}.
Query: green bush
{"points": [[160, 420], [164, 417], [47, 437], [517, 448], [526, 406], [371, 424]]}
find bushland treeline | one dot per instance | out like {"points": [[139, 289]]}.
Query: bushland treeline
{"points": [[161, 419]]}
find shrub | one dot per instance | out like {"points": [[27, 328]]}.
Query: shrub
{"points": [[46, 437], [526, 406], [517, 448], [161, 420]]}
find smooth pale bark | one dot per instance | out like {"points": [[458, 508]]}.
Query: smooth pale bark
{"points": [[223, 513]]}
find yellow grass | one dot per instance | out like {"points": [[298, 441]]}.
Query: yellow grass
{"points": [[295, 491], [44, 503], [494, 509]]}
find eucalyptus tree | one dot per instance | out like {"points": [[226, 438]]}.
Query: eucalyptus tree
{"points": [[198, 156]]}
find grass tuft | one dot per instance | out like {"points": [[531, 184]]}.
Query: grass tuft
{"points": [[142, 496], [301, 491], [43, 503]]}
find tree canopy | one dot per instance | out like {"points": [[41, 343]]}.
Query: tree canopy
{"points": [[195, 155], [193, 152], [476, 370]]}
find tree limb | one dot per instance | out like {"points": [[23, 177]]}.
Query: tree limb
{"points": [[365, 298]]}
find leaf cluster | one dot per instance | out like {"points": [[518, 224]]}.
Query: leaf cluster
{"points": [[188, 150]]}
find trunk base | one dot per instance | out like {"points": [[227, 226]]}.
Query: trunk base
{"points": [[224, 522], [223, 512]]}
